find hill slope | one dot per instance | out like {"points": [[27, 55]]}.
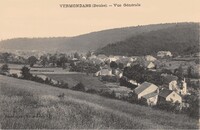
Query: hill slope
{"points": [[25, 104], [183, 38], [81, 43]]}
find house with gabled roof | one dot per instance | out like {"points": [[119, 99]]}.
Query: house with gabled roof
{"points": [[164, 54], [150, 58], [102, 57], [144, 89], [169, 95], [104, 72], [149, 65]]}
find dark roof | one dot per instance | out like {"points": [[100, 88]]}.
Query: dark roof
{"points": [[150, 95], [142, 87], [165, 92], [169, 78]]}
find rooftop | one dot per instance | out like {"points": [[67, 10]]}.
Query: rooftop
{"points": [[150, 95], [165, 92], [143, 86]]}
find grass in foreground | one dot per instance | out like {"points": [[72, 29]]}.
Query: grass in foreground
{"points": [[26, 104]]}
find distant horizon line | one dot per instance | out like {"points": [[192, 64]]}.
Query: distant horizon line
{"points": [[34, 37]]}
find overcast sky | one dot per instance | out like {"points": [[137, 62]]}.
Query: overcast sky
{"points": [[45, 18]]}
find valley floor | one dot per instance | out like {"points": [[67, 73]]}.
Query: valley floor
{"points": [[26, 104]]}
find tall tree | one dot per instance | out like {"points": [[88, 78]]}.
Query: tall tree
{"points": [[5, 68], [89, 53], [25, 71], [44, 60], [135, 72], [190, 71], [5, 56], [121, 66], [53, 60], [32, 60], [113, 65], [179, 73], [76, 55]]}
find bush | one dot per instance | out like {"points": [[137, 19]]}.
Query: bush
{"points": [[14, 75], [193, 110], [37, 79], [92, 91], [124, 82], [169, 106], [25, 71], [4, 68], [47, 81], [108, 94], [79, 87], [64, 85]]}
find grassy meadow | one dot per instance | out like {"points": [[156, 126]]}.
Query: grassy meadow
{"points": [[72, 79], [26, 104]]}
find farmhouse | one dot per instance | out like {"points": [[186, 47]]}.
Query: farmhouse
{"points": [[104, 72], [150, 99], [96, 61], [169, 95], [149, 65], [124, 60], [150, 58], [92, 57], [144, 89], [112, 58], [164, 54], [102, 57]]}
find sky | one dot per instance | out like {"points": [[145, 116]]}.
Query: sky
{"points": [[45, 18]]}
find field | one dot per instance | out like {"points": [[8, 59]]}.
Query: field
{"points": [[25, 104], [74, 78]]}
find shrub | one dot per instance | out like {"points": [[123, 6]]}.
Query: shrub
{"points": [[124, 82], [25, 71], [193, 110], [108, 94], [14, 75], [79, 87], [37, 79], [47, 81], [64, 85], [92, 91], [61, 95], [169, 106], [4, 68]]}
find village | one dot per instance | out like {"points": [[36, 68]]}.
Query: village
{"points": [[147, 80]]}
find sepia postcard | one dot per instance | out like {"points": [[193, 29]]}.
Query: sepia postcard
{"points": [[97, 64]]}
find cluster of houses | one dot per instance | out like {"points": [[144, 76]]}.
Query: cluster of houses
{"points": [[173, 90], [148, 61], [161, 62], [148, 93]]}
